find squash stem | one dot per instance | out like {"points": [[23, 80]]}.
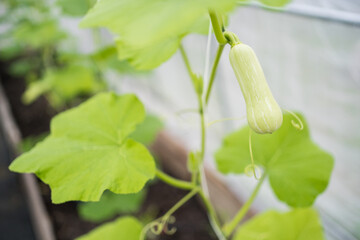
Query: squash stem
{"points": [[213, 72], [216, 22], [229, 227], [173, 181]]}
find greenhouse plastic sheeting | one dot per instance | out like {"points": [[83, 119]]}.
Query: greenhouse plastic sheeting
{"points": [[312, 65]]}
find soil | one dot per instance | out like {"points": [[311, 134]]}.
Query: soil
{"points": [[191, 219]]}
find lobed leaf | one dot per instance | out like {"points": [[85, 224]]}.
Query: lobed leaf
{"points": [[88, 151], [298, 169]]}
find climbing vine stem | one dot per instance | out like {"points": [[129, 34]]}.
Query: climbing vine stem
{"points": [[230, 226], [213, 72], [202, 181]]}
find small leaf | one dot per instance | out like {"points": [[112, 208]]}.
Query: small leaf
{"points": [[299, 224], [297, 168], [88, 151], [147, 131], [65, 84], [111, 204], [124, 228], [76, 8]]}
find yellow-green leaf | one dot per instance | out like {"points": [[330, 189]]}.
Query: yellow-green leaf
{"points": [[125, 228], [88, 151], [298, 169]]}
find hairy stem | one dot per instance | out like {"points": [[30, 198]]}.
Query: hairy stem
{"points": [[213, 72], [173, 181], [230, 227], [216, 22]]}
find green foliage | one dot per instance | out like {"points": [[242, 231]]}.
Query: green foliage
{"points": [[28, 143], [23, 66], [147, 47], [38, 35], [75, 8], [124, 228], [299, 224], [275, 3], [297, 168], [111, 204], [88, 151], [107, 57], [269, 3], [147, 131], [63, 84]]}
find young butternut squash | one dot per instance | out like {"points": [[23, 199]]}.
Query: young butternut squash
{"points": [[263, 113]]}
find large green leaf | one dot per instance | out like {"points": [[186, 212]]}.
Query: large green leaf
{"points": [[150, 31], [111, 204], [125, 228], [298, 224], [88, 151], [297, 168]]}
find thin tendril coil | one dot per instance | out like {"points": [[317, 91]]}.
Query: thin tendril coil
{"points": [[250, 170], [299, 124], [160, 225]]}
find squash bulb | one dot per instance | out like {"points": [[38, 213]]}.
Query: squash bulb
{"points": [[263, 113]]}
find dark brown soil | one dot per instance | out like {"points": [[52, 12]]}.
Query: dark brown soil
{"points": [[191, 220]]}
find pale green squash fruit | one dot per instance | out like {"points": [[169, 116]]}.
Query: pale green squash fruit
{"points": [[263, 113]]}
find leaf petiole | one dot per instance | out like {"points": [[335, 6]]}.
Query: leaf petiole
{"points": [[173, 181]]}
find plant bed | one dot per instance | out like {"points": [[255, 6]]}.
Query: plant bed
{"points": [[34, 119]]}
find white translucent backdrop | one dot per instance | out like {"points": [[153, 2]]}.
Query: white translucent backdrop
{"points": [[312, 65]]}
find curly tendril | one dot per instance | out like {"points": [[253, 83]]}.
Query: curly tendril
{"points": [[251, 170], [158, 226], [299, 124]]}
